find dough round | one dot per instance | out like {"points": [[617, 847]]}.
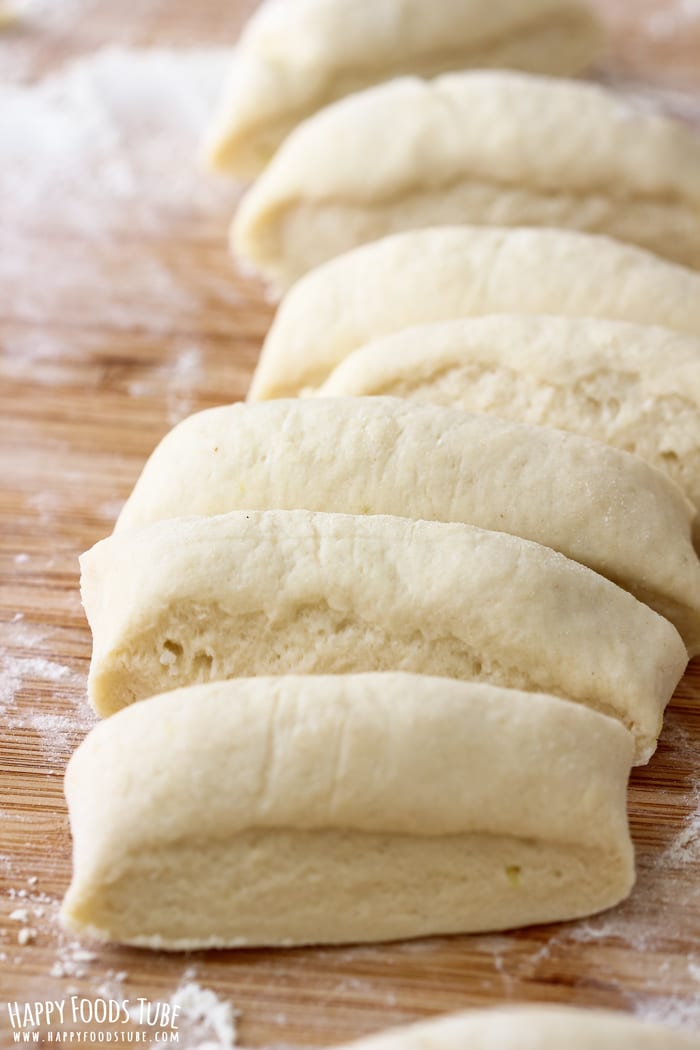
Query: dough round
{"points": [[635, 387], [294, 58], [270, 592], [532, 1027], [491, 148], [463, 271], [299, 810]]}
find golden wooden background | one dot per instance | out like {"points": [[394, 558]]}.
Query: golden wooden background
{"points": [[119, 317]]}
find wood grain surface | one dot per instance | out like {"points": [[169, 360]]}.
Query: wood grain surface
{"points": [[121, 312]]}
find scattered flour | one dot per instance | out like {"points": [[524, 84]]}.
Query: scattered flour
{"points": [[685, 847], [58, 730], [71, 959], [178, 377], [102, 154], [654, 100], [9, 684], [109, 510], [205, 1018], [111, 988], [674, 1011], [37, 667], [57, 733], [16, 670], [109, 142], [205, 1022], [673, 19]]}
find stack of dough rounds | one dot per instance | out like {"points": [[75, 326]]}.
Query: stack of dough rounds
{"points": [[533, 1027], [262, 592], [634, 387], [492, 148], [449, 272], [296, 56], [387, 456], [357, 807]]}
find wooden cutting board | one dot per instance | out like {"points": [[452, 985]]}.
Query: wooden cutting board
{"points": [[121, 312]]}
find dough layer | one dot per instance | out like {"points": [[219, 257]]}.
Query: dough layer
{"points": [[270, 592], [530, 1027], [632, 386], [489, 148], [387, 456], [316, 809], [443, 273], [295, 58]]}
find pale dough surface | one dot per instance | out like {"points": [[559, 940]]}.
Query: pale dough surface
{"points": [[635, 387], [482, 147], [296, 56], [389, 456], [443, 273], [531, 1027], [323, 809], [270, 592]]}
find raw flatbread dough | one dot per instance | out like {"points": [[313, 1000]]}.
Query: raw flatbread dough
{"points": [[271, 592], [530, 1028], [296, 56], [388, 456], [634, 387], [489, 148], [464, 271], [300, 810]]}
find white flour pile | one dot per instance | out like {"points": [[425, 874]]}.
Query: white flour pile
{"points": [[101, 158], [109, 143]]}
